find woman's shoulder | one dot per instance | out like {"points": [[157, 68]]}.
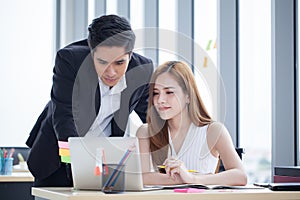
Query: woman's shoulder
{"points": [[142, 131], [216, 129], [215, 125], [216, 132]]}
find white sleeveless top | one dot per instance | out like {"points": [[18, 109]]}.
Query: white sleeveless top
{"points": [[195, 152]]}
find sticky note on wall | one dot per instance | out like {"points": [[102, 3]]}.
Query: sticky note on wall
{"points": [[208, 45], [205, 62]]}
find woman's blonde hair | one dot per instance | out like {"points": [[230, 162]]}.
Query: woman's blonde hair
{"points": [[157, 127]]}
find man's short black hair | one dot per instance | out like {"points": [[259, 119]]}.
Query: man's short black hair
{"points": [[111, 30]]}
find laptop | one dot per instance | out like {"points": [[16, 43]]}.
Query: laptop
{"points": [[285, 186], [83, 161]]}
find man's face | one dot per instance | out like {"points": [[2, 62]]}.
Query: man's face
{"points": [[111, 63]]}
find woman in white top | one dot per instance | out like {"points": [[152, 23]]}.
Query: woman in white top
{"points": [[181, 135]]}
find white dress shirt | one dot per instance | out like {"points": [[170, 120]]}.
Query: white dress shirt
{"points": [[194, 152], [110, 103]]}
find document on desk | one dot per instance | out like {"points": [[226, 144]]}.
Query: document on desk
{"points": [[209, 187]]}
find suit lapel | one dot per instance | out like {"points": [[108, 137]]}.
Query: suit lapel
{"points": [[84, 95]]}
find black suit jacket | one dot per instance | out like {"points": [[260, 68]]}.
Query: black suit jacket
{"points": [[75, 102]]}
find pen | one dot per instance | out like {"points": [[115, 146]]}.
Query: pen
{"points": [[110, 183], [119, 167], [105, 169], [12, 150], [5, 153], [1, 154]]}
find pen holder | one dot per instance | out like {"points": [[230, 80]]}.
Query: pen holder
{"points": [[6, 166], [113, 178]]}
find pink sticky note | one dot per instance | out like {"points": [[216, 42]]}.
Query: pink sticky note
{"points": [[189, 190], [63, 145]]}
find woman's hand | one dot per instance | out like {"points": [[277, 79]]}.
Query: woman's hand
{"points": [[176, 169]]}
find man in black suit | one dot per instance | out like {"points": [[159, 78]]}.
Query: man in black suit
{"points": [[97, 83]]}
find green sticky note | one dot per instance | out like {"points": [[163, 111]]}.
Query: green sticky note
{"points": [[208, 45], [65, 159]]}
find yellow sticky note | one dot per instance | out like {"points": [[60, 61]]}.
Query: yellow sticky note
{"points": [[64, 152], [205, 62]]}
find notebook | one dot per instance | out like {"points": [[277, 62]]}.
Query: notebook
{"points": [[83, 161]]}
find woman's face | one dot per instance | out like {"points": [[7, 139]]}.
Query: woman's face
{"points": [[168, 97]]}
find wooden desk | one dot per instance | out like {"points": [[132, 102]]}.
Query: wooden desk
{"points": [[17, 177], [246, 194], [16, 186]]}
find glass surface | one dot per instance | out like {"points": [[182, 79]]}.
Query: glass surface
{"points": [[137, 21], [91, 11], [298, 75], [167, 21], [255, 88], [205, 47], [111, 7], [137, 14], [27, 57]]}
